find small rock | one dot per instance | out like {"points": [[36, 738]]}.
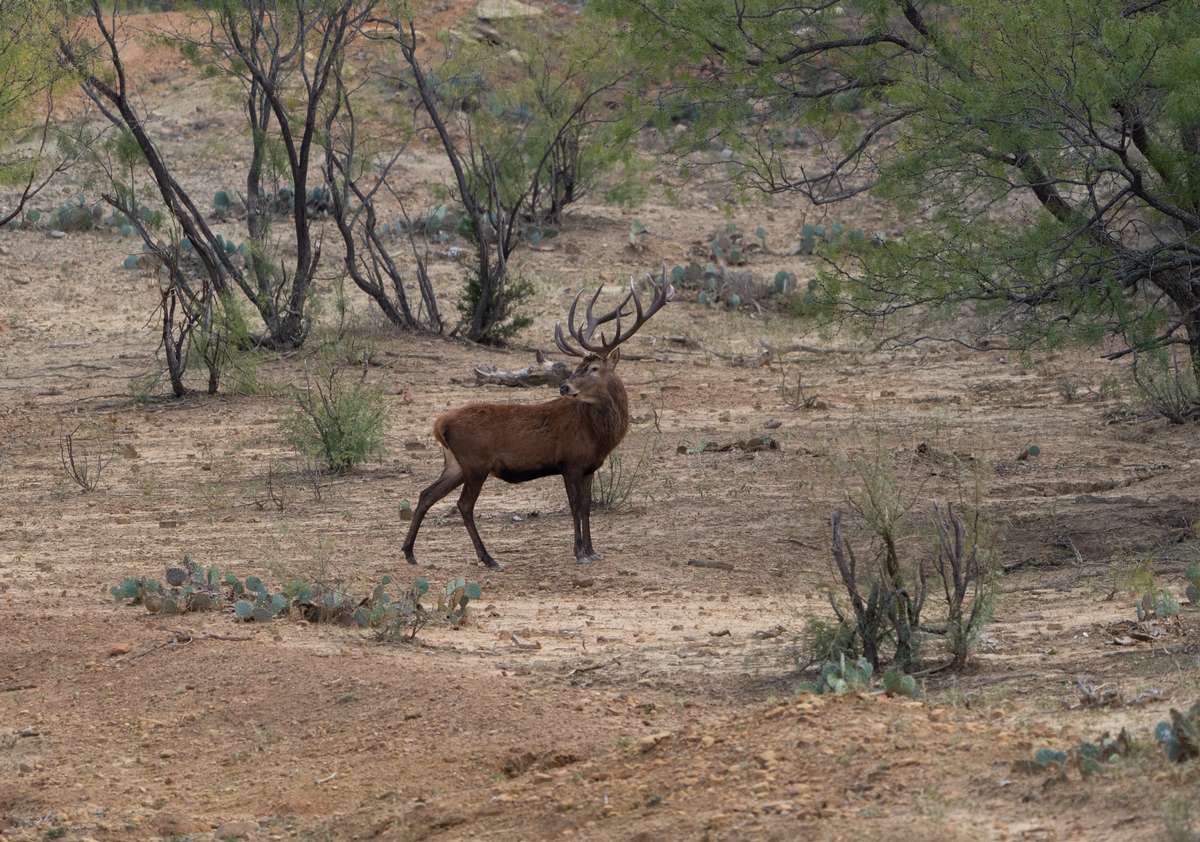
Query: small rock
{"points": [[648, 742], [583, 583], [414, 445], [57, 235], [505, 9], [236, 830], [120, 649], [773, 424]]}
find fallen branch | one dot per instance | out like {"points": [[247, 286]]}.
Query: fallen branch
{"points": [[543, 373], [710, 565], [15, 687], [183, 637], [592, 667]]}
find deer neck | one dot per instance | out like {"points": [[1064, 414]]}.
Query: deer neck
{"points": [[609, 419]]}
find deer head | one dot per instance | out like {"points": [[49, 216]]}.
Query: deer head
{"points": [[589, 382]]}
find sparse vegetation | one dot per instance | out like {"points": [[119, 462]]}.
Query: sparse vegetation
{"points": [[193, 587], [338, 418], [81, 462], [610, 696], [880, 601]]}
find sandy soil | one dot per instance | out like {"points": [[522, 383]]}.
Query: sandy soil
{"points": [[641, 698]]}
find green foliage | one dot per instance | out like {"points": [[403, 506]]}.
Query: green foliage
{"points": [[1089, 758], [1167, 386], [987, 123], [399, 618], [845, 676], [337, 419], [824, 641], [1193, 588], [395, 619], [29, 72], [507, 320], [189, 587], [557, 114], [1153, 602], [898, 683], [223, 342]]}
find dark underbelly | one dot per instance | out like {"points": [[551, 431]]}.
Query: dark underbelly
{"points": [[515, 476]]}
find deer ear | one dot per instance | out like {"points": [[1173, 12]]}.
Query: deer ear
{"points": [[614, 358]]}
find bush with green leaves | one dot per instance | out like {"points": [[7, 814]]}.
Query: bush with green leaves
{"points": [[1167, 386], [223, 342], [337, 418], [879, 609], [1054, 148], [1154, 602], [507, 297], [1193, 588]]}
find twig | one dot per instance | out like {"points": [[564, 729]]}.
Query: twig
{"points": [[15, 687], [182, 637], [711, 565], [592, 667]]}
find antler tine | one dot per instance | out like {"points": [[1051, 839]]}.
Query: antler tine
{"points": [[563, 345], [561, 340], [585, 335]]}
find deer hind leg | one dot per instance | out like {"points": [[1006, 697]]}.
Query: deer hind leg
{"points": [[466, 505], [451, 478]]}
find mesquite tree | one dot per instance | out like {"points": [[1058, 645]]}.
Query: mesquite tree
{"points": [[1046, 153], [35, 147], [284, 56], [355, 186], [267, 47], [503, 170]]}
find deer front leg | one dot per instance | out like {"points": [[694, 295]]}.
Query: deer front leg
{"points": [[585, 518], [573, 490]]}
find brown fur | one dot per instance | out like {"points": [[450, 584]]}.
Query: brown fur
{"points": [[569, 436]]}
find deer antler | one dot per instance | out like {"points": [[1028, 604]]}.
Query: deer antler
{"points": [[585, 334]]}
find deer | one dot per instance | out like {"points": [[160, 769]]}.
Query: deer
{"points": [[569, 436]]}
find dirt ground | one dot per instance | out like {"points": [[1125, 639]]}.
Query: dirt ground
{"points": [[636, 698]]}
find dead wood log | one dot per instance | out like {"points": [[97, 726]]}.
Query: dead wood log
{"points": [[542, 373]]}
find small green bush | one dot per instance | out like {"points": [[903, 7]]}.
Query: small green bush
{"points": [[505, 321], [337, 421], [1167, 386]]}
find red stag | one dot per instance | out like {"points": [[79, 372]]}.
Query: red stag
{"points": [[569, 436]]}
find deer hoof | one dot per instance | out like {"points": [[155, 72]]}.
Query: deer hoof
{"points": [[410, 558], [586, 559], [491, 563]]}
